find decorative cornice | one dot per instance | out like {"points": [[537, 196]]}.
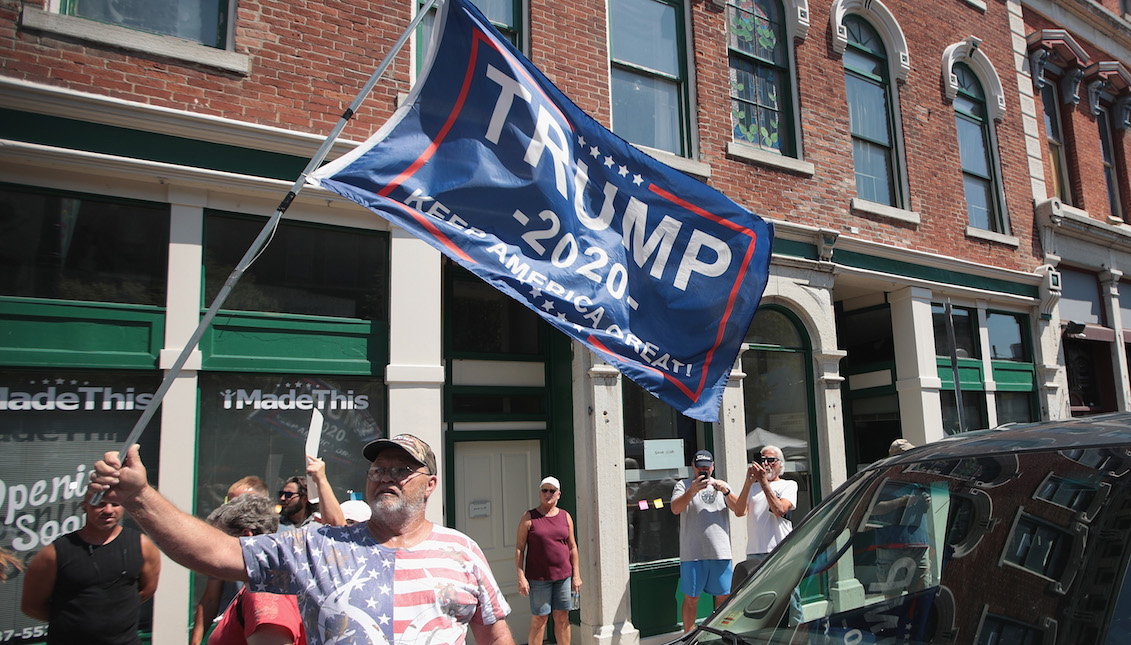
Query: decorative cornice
{"points": [[1056, 46]]}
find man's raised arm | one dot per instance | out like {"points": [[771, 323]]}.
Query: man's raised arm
{"points": [[184, 538]]}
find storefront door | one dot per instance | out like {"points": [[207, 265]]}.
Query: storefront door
{"points": [[494, 483]]}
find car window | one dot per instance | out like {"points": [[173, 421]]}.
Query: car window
{"points": [[1012, 548]]}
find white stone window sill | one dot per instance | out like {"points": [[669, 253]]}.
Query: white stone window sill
{"points": [[865, 207], [990, 236], [35, 18], [771, 159], [682, 164]]}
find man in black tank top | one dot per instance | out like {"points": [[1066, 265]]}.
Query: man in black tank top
{"points": [[89, 585]]}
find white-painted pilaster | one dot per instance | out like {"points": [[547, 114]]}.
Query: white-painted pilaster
{"points": [[415, 374], [601, 523], [917, 381]]}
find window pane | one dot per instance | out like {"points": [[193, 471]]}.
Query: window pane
{"points": [[776, 395], [756, 29], [49, 438], [485, 320], [973, 411], [1081, 300], [1006, 337], [868, 109], [82, 248], [255, 424], [871, 163], [965, 332], [771, 327], [646, 110], [203, 21], [1110, 172], [644, 33], [653, 533], [864, 64], [1014, 407], [755, 104], [866, 335], [978, 202], [304, 269], [972, 147], [498, 11], [1052, 115]]}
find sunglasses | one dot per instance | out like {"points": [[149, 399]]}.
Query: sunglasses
{"points": [[396, 473], [549, 491], [767, 460], [287, 494]]}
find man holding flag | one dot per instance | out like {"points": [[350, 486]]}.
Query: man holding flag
{"points": [[656, 272], [397, 578]]}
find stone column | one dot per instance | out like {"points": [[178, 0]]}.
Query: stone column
{"points": [[172, 602], [1109, 280], [415, 374], [918, 382], [602, 523]]}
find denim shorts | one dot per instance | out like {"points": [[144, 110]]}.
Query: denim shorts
{"points": [[549, 594]]}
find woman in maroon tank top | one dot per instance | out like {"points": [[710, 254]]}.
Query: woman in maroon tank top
{"points": [[546, 560]]}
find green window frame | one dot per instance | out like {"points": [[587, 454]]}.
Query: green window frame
{"points": [[1011, 367], [208, 22], [505, 15], [314, 301], [979, 174], [871, 108], [648, 74], [760, 88]]}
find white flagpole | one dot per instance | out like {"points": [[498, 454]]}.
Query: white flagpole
{"points": [[264, 236]]}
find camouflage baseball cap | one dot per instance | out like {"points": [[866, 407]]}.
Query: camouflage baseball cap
{"points": [[414, 446]]}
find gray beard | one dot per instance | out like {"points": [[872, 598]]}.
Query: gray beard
{"points": [[396, 512]]}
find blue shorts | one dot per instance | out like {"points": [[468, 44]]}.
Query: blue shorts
{"points": [[549, 594], [711, 576]]}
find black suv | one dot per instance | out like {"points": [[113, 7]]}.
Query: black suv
{"points": [[1018, 535]]}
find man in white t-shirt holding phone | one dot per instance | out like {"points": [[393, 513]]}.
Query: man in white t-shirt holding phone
{"points": [[768, 509]]}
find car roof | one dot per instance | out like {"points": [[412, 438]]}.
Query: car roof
{"points": [[1103, 430]]}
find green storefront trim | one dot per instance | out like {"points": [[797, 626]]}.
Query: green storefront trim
{"points": [[58, 333], [1008, 376], [890, 266], [263, 342], [73, 134]]}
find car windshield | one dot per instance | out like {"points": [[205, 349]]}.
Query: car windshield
{"points": [[1019, 548]]}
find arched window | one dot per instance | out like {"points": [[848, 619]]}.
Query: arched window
{"points": [[979, 175], [871, 114], [777, 393], [759, 75]]}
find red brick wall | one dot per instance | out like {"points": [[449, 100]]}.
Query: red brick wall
{"points": [[309, 59], [927, 118]]}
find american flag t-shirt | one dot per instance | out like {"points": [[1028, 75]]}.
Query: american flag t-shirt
{"points": [[352, 590]]}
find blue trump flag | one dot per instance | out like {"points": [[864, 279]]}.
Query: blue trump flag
{"points": [[491, 164]]}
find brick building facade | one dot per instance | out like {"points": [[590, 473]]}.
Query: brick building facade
{"points": [[903, 149]]}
